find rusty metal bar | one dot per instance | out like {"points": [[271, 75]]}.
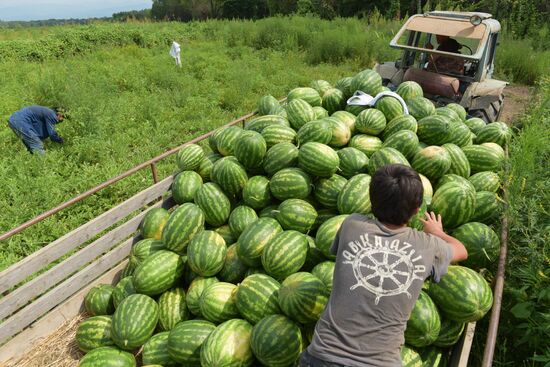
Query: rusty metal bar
{"points": [[113, 180], [155, 173]]}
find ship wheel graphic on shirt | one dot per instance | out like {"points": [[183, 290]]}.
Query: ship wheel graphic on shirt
{"points": [[383, 271]]}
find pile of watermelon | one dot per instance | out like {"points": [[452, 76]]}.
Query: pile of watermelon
{"points": [[240, 270]]}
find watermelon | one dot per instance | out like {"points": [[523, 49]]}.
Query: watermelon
{"points": [[384, 157], [214, 204], [234, 269], [390, 107], [250, 150], [475, 124], [434, 130], [455, 203], [172, 308], [405, 122], [276, 341], [333, 100], [462, 294], [428, 189], [256, 193], [134, 321], [460, 134], [354, 197], [317, 159], [143, 249], [483, 158], [155, 351], [218, 302], [303, 297], [321, 86], [256, 297], [107, 357], [291, 183], [405, 141], [326, 234], [352, 161], [229, 174], [424, 322], [299, 113], [367, 81], [296, 214], [252, 271], [458, 109], [228, 345], [485, 181], [189, 157], [186, 339], [433, 162], [269, 211], [347, 118], [320, 112], [488, 207], [319, 131], [309, 95], [184, 187], [344, 85], [449, 113], [495, 132], [409, 90], [450, 177], [285, 254], [158, 273], [415, 222], [258, 125], [328, 189], [410, 358], [240, 218], [153, 222], [341, 132], [459, 163], [268, 105], [184, 223], [225, 232], [225, 140], [206, 253], [366, 143], [279, 156], [99, 300], [206, 165], [496, 148], [325, 272], [194, 293], [254, 238], [124, 288], [420, 107], [482, 243], [370, 121], [354, 109], [314, 255], [94, 332], [213, 139], [432, 357], [188, 274], [449, 334], [276, 134]]}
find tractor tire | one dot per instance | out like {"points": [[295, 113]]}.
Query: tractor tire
{"points": [[491, 113]]}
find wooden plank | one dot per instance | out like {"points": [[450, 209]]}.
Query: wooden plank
{"points": [[35, 262], [461, 350], [18, 346], [61, 292]]}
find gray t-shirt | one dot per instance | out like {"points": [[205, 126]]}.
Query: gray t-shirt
{"points": [[378, 276]]}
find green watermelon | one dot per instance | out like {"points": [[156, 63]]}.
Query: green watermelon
{"points": [[449, 113], [354, 197], [370, 121], [184, 223], [229, 174], [268, 105], [172, 308], [320, 112], [285, 254], [134, 321], [225, 232], [186, 339], [214, 204], [256, 297], [279, 156], [485, 181], [303, 297], [475, 124], [347, 118], [433, 162], [432, 357], [449, 334], [483, 158], [325, 272], [415, 222], [269, 211], [94, 332], [107, 357], [352, 161], [428, 189], [254, 239], [496, 148], [326, 234], [424, 322], [460, 134], [258, 125], [234, 269], [482, 243], [276, 134], [153, 222], [189, 157], [321, 86], [405, 141], [155, 351], [256, 193], [317, 159], [225, 140], [206, 253], [319, 131], [124, 288], [355, 110], [366, 143], [218, 302], [420, 107], [290, 183], [194, 293], [405, 122], [390, 107], [409, 90], [344, 85], [309, 95], [250, 150], [410, 358], [459, 163], [276, 341], [450, 177], [206, 165], [434, 130], [184, 187], [495, 132], [328, 189], [455, 203], [228, 345], [367, 81], [384, 157], [488, 207], [333, 100], [99, 300], [158, 273], [341, 132], [459, 110], [296, 214], [240, 218], [314, 255], [299, 113]]}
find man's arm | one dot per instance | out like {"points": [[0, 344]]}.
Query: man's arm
{"points": [[51, 120], [433, 225]]}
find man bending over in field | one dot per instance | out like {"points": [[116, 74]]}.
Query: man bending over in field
{"points": [[381, 265]]}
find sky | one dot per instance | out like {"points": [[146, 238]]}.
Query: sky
{"points": [[64, 9]]}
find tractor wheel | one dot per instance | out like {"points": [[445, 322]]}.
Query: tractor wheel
{"points": [[491, 113]]}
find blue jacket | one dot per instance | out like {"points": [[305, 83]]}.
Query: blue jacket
{"points": [[37, 120]]}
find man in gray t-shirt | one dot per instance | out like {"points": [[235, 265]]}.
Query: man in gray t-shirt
{"points": [[381, 265]]}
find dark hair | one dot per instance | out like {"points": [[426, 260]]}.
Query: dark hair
{"points": [[395, 193]]}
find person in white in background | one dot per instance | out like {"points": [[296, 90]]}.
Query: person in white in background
{"points": [[175, 52]]}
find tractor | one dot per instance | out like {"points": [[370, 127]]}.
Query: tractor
{"points": [[452, 56]]}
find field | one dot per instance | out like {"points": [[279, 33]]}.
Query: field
{"points": [[128, 102]]}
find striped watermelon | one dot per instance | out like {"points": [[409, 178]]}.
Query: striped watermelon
{"points": [[458, 109], [314, 255], [409, 90], [496, 148], [206, 165], [449, 334], [325, 272], [405, 122], [189, 157], [134, 321], [309, 95], [143, 249], [188, 274], [172, 308], [320, 112], [268, 105], [352, 161], [225, 140], [450, 177], [475, 124], [434, 130], [460, 134], [107, 357], [258, 124], [384, 157], [317, 159], [333, 100], [276, 134], [390, 107], [328, 189], [184, 187], [234, 269], [347, 118], [415, 222], [354, 197], [229, 174], [158, 273], [459, 163], [299, 113], [495, 132], [485, 181], [276, 341], [250, 149], [285, 254], [367, 81], [194, 293], [256, 193], [123, 289], [153, 223], [433, 162], [410, 358], [341, 133], [482, 243], [424, 322], [254, 238], [296, 214], [432, 357], [290, 183], [488, 207], [218, 302], [228, 345], [240, 218], [155, 351], [405, 141], [303, 297], [94, 332], [344, 84], [370, 121], [428, 189], [213, 139], [256, 297], [321, 86], [326, 234], [206, 253], [186, 339], [483, 158], [99, 300], [420, 107], [354, 109], [318, 131], [366, 143], [279, 156], [462, 294], [455, 203], [269, 211], [184, 223], [225, 232], [214, 204]]}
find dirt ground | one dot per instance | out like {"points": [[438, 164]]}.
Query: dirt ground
{"points": [[516, 100]]}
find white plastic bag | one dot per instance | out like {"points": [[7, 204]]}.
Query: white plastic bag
{"points": [[175, 52], [363, 99]]}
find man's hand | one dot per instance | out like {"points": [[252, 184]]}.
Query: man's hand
{"points": [[433, 224], [58, 139]]}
